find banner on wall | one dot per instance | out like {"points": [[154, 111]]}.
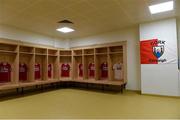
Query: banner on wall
{"points": [[156, 51]]}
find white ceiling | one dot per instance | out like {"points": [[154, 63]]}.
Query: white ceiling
{"points": [[90, 17]]}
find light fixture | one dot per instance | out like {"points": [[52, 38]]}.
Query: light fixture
{"points": [[65, 29], [162, 7], [65, 26]]}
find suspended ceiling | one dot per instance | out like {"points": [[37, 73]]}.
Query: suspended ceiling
{"points": [[90, 17]]}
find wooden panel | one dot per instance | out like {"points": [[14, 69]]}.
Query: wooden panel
{"points": [[100, 45], [77, 53], [65, 53], [116, 49], [76, 61], [102, 50], [42, 60], [15, 52], [89, 51], [26, 49], [8, 48], [40, 51], [12, 59], [52, 52], [87, 60], [125, 62], [99, 60], [68, 60], [54, 62], [28, 60]]}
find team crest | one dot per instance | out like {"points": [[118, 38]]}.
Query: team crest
{"points": [[158, 51]]}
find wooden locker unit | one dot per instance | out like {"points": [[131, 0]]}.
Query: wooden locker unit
{"points": [[27, 56], [65, 58], [41, 58], [65, 53], [16, 52], [115, 57], [89, 57], [78, 52], [9, 54], [53, 59], [77, 59], [90, 51], [115, 49], [41, 51], [26, 49], [124, 62], [52, 52], [101, 51], [101, 57]]}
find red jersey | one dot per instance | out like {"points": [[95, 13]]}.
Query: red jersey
{"points": [[65, 70], [80, 70], [5, 72], [91, 68], [50, 70], [104, 70], [23, 72], [37, 71]]}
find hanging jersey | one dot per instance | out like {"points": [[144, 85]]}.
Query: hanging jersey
{"points": [[91, 68], [49, 70], [117, 71], [65, 70], [37, 71], [22, 72], [5, 72], [104, 70], [81, 70]]}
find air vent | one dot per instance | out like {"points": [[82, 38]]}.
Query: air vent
{"points": [[66, 21]]}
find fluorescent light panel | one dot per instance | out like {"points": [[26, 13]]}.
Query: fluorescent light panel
{"points": [[65, 29], [162, 7]]}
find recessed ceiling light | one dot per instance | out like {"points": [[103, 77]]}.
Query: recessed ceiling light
{"points": [[65, 29], [162, 7]]}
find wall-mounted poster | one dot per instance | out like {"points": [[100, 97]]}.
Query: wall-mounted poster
{"points": [[156, 51]]}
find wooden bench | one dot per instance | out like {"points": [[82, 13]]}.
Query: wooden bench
{"points": [[22, 85], [102, 83]]}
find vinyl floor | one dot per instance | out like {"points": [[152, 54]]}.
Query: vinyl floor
{"points": [[86, 104]]}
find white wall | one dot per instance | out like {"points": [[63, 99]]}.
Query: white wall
{"points": [[178, 33], [131, 35], [30, 37], [161, 79]]}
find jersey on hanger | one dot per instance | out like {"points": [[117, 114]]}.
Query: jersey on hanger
{"points": [[5, 72], [117, 71], [104, 70], [22, 72], [91, 68], [65, 70], [37, 71], [49, 70], [80, 70]]}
